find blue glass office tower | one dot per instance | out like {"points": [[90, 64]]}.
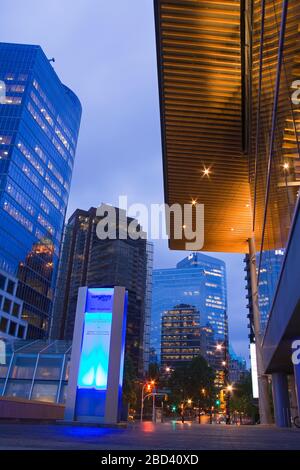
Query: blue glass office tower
{"points": [[39, 125], [271, 263], [199, 281]]}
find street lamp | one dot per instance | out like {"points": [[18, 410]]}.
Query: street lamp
{"points": [[148, 386], [228, 387]]}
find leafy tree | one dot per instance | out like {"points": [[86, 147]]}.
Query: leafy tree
{"points": [[242, 399], [153, 372], [193, 380], [129, 382]]}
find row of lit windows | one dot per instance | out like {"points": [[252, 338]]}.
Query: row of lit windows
{"points": [[45, 128], [26, 204], [180, 350], [178, 322], [168, 317], [20, 199], [49, 119], [40, 169], [5, 139], [174, 330], [30, 158], [42, 110], [17, 215], [177, 357], [181, 344], [21, 77], [13, 100], [66, 130], [44, 223], [51, 198], [15, 88]]}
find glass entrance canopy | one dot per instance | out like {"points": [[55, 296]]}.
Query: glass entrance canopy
{"points": [[34, 370]]}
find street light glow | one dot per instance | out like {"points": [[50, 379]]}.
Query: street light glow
{"points": [[206, 171], [286, 166]]}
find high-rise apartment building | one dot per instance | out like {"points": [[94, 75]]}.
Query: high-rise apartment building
{"points": [[39, 125], [87, 260], [199, 281], [180, 335]]}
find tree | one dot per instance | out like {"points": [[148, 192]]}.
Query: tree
{"points": [[242, 399], [129, 382], [153, 372], [193, 381]]}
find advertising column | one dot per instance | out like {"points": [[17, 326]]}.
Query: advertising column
{"points": [[97, 360]]}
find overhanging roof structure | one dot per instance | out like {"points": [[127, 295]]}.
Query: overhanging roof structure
{"points": [[200, 80]]}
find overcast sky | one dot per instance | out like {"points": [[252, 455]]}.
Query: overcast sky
{"points": [[105, 52]]}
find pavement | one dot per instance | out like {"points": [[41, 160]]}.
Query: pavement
{"points": [[147, 436]]}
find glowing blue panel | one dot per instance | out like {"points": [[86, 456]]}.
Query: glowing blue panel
{"points": [[93, 369]]}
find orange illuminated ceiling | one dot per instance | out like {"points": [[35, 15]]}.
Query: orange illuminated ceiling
{"points": [[199, 62]]}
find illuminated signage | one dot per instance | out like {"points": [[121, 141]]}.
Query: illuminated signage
{"points": [[94, 361], [254, 370]]}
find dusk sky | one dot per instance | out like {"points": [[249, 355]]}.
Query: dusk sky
{"points": [[105, 52]]}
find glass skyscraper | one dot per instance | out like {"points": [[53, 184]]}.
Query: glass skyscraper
{"points": [[267, 281], [39, 125], [198, 281]]}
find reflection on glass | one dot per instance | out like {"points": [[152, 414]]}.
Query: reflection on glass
{"points": [[46, 392]]}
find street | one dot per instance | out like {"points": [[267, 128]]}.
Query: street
{"points": [[167, 436]]}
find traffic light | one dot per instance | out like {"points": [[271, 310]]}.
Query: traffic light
{"points": [[218, 402], [174, 408]]}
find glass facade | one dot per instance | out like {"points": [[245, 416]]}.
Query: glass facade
{"points": [[198, 281], [39, 125], [35, 370], [11, 323], [274, 138]]}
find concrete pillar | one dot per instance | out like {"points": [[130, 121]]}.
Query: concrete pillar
{"points": [[293, 397], [297, 385], [281, 400], [263, 385]]}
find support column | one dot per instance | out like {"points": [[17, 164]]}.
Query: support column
{"points": [[281, 400], [293, 397], [263, 384], [297, 385]]}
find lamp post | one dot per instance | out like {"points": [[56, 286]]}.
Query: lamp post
{"points": [[149, 388], [228, 387]]}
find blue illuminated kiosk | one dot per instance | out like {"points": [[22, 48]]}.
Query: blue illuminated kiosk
{"points": [[94, 393]]}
